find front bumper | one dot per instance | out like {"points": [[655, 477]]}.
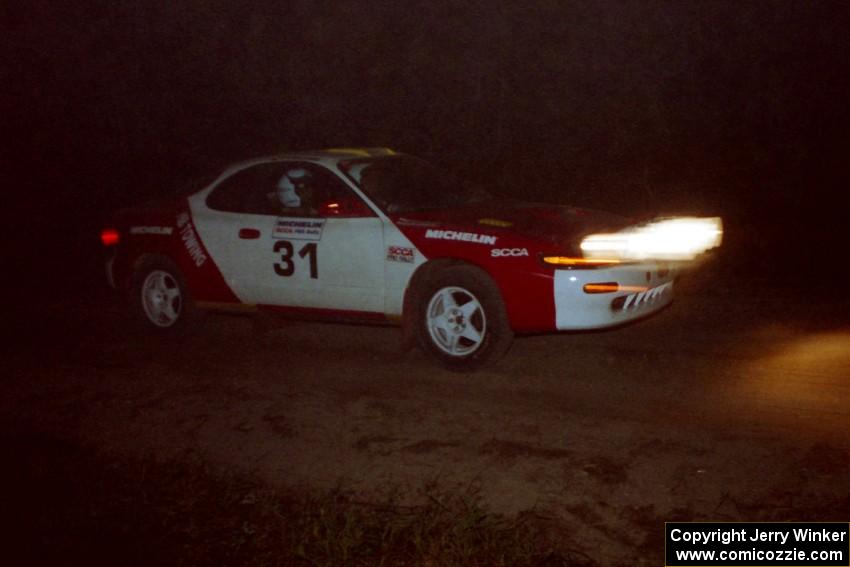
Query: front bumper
{"points": [[644, 289]]}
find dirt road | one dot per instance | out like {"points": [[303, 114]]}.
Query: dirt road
{"points": [[730, 405]]}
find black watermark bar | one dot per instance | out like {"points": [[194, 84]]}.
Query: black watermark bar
{"points": [[739, 544]]}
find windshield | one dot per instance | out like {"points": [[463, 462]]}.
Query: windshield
{"points": [[401, 184]]}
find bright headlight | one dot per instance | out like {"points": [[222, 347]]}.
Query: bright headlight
{"points": [[678, 238]]}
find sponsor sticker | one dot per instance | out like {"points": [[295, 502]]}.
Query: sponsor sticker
{"points": [[400, 254], [299, 229], [460, 236], [190, 240], [508, 252], [163, 230]]}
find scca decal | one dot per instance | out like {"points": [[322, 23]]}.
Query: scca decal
{"points": [[400, 254], [508, 252], [462, 236]]}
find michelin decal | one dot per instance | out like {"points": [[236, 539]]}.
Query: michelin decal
{"points": [[161, 230], [461, 236], [299, 228]]}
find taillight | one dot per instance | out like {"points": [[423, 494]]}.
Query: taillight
{"points": [[110, 236]]}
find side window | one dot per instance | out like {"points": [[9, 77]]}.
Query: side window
{"points": [[305, 189], [287, 189], [247, 191]]}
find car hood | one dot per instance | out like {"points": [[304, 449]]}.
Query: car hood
{"points": [[556, 224]]}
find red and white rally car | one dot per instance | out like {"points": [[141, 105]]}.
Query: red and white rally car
{"points": [[374, 236]]}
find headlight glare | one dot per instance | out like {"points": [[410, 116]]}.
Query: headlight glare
{"points": [[678, 238]]}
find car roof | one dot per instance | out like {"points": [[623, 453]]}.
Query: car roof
{"points": [[326, 157], [334, 155]]}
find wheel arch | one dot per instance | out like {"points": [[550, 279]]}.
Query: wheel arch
{"points": [[141, 261], [419, 277]]}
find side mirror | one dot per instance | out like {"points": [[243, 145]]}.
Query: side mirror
{"points": [[348, 207]]}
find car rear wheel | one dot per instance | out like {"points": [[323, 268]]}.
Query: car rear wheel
{"points": [[160, 297], [461, 318]]}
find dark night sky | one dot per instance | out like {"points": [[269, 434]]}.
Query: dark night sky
{"points": [[732, 108]]}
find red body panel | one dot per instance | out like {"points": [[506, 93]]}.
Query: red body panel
{"points": [[526, 285], [168, 231], [506, 240]]}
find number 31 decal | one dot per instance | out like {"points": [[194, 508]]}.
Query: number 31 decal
{"points": [[286, 267]]}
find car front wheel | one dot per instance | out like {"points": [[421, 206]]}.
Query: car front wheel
{"points": [[462, 321]]}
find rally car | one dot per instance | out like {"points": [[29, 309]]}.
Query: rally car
{"points": [[375, 236]]}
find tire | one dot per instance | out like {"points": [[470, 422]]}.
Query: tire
{"points": [[461, 319], [160, 299]]}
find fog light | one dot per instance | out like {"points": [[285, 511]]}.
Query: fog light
{"points": [[605, 287]]}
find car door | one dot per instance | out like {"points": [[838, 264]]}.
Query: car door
{"points": [[292, 234]]}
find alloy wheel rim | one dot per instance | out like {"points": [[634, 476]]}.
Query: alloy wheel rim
{"points": [[456, 321], [161, 298]]}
